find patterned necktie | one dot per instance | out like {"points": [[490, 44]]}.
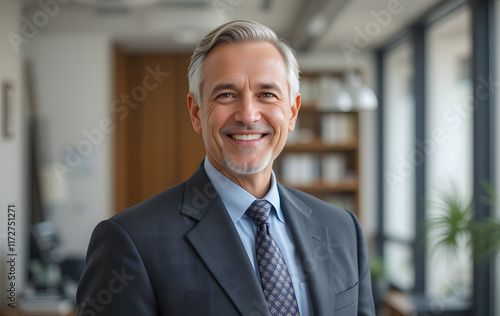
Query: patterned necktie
{"points": [[274, 276]]}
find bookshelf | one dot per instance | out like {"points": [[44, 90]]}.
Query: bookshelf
{"points": [[321, 156]]}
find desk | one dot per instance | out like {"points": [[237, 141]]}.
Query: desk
{"points": [[396, 303], [9, 311]]}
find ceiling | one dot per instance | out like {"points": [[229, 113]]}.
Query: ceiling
{"points": [[309, 25]]}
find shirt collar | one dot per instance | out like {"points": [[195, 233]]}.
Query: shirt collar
{"points": [[235, 198]]}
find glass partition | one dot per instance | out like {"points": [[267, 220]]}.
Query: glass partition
{"points": [[399, 171], [497, 107], [449, 145]]}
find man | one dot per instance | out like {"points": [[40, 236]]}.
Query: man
{"points": [[231, 240]]}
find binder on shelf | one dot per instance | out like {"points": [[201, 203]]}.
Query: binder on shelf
{"points": [[338, 128], [309, 90], [347, 128], [329, 129], [333, 169], [300, 169]]}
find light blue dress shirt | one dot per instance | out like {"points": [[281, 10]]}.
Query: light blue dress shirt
{"points": [[237, 200]]}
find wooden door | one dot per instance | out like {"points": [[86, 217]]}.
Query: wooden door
{"points": [[155, 144]]}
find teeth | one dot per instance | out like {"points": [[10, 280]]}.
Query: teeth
{"points": [[247, 137]]}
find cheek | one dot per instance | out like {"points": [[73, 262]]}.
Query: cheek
{"points": [[215, 118], [280, 117]]}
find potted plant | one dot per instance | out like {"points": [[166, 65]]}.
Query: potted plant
{"points": [[457, 220], [379, 282]]}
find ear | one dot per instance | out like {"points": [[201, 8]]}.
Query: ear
{"points": [[194, 112], [295, 112]]}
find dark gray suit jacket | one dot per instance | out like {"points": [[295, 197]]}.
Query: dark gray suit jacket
{"points": [[178, 253]]}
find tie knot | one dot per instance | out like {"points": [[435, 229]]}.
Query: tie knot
{"points": [[259, 212]]}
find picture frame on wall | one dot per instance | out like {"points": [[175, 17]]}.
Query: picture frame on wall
{"points": [[7, 110]]}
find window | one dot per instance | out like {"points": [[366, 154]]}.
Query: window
{"points": [[497, 106], [399, 172], [449, 147], [427, 122], [452, 59]]}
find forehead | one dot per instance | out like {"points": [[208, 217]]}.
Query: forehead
{"points": [[247, 59]]}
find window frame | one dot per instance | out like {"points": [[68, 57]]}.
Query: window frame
{"points": [[483, 18]]}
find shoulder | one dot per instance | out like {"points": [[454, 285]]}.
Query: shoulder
{"points": [[157, 208], [319, 210], [166, 211], [313, 202]]}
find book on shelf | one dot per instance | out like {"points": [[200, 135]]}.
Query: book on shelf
{"points": [[300, 169], [347, 128], [333, 168], [337, 128], [309, 90], [330, 129]]}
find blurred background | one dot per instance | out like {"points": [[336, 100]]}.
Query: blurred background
{"points": [[399, 124]]}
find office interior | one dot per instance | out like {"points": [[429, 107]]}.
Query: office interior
{"points": [[399, 124]]}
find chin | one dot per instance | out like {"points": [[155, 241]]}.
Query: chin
{"points": [[241, 167]]}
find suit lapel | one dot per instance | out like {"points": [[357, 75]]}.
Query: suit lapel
{"points": [[217, 242], [315, 251]]}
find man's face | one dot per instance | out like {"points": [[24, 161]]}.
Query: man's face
{"points": [[245, 115]]}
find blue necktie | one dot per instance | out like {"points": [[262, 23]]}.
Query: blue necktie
{"points": [[274, 276]]}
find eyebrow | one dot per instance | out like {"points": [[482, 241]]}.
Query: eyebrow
{"points": [[231, 86], [222, 86], [270, 86]]}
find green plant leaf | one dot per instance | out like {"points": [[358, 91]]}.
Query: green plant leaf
{"points": [[486, 237], [491, 197], [457, 221], [452, 224]]}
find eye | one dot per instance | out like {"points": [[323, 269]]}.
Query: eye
{"points": [[267, 95], [225, 95]]}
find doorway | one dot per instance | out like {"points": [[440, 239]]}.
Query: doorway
{"points": [[155, 144]]}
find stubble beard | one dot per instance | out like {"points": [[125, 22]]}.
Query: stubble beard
{"points": [[241, 167]]}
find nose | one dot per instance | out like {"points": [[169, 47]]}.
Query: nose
{"points": [[247, 111]]}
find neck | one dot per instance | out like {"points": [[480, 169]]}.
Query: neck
{"points": [[257, 184]]}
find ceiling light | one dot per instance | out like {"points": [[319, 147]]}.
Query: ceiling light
{"points": [[363, 96], [333, 96]]}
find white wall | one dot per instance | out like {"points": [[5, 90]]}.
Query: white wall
{"points": [[72, 73], [12, 154]]}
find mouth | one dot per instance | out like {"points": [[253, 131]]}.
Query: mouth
{"points": [[246, 137]]}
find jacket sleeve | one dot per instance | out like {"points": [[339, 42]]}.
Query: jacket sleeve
{"points": [[115, 280], [366, 306]]}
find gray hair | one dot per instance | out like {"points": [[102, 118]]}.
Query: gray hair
{"points": [[240, 31]]}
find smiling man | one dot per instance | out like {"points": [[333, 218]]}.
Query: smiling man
{"points": [[245, 111], [231, 240]]}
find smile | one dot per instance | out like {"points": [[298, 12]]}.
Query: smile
{"points": [[246, 137]]}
